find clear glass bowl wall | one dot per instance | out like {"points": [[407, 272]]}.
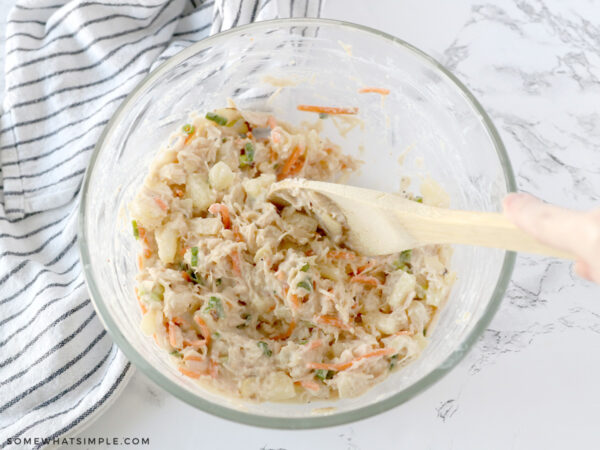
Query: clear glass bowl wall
{"points": [[428, 117]]}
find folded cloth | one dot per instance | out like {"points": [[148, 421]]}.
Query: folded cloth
{"points": [[68, 66]]}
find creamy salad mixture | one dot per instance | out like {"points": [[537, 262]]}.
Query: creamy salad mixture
{"points": [[263, 300]]}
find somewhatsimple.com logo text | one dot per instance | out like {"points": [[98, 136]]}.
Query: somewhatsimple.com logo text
{"points": [[106, 441]]}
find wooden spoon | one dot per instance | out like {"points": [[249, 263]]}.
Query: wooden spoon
{"points": [[380, 223]]}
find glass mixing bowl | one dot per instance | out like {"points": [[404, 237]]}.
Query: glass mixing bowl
{"points": [[429, 120]]}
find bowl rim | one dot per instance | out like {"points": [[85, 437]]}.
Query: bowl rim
{"points": [[293, 422]]}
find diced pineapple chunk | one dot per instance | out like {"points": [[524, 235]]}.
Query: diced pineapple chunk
{"points": [[401, 287], [258, 187], [200, 192], [148, 324], [418, 315], [166, 239], [278, 386], [220, 176], [208, 226], [352, 384], [386, 323], [249, 387]]}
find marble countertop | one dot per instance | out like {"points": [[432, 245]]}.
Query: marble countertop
{"points": [[531, 380]]}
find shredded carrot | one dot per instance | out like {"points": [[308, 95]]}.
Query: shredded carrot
{"points": [[315, 344], [294, 300], [155, 338], [194, 343], [192, 357], [341, 254], [289, 166], [190, 373], [275, 137], [179, 320], [142, 233], [327, 109], [367, 266], [333, 321], [186, 276], [235, 262], [183, 250], [178, 192], [214, 368], [365, 279], [203, 328], [287, 334], [403, 333], [346, 365], [147, 253], [140, 262], [174, 333], [142, 306], [271, 122], [272, 154], [280, 276], [308, 384], [221, 209], [161, 204], [374, 90], [189, 137]]}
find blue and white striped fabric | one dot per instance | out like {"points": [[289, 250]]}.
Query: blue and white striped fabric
{"points": [[68, 66]]}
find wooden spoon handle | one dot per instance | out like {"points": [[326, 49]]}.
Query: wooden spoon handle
{"points": [[485, 229]]}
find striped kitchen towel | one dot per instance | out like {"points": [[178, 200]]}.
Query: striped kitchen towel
{"points": [[68, 66]]}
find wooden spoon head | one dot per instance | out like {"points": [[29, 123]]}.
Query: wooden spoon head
{"points": [[368, 219]]}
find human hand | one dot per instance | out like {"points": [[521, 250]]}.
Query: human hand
{"points": [[574, 231]]}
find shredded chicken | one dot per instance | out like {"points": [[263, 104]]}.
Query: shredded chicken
{"points": [[263, 301]]}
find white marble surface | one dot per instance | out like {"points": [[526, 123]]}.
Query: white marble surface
{"points": [[532, 380]]}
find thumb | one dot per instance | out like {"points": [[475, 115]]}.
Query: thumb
{"points": [[559, 227]]}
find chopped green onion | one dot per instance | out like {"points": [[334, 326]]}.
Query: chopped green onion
{"points": [[197, 278], [157, 293], [188, 129], [419, 199], [305, 285], [216, 118], [323, 374], [215, 306], [323, 115], [265, 348], [249, 150], [219, 281], [303, 342], [305, 267], [136, 231], [224, 140], [393, 360], [216, 335], [194, 256], [176, 354], [248, 157], [403, 261]]}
